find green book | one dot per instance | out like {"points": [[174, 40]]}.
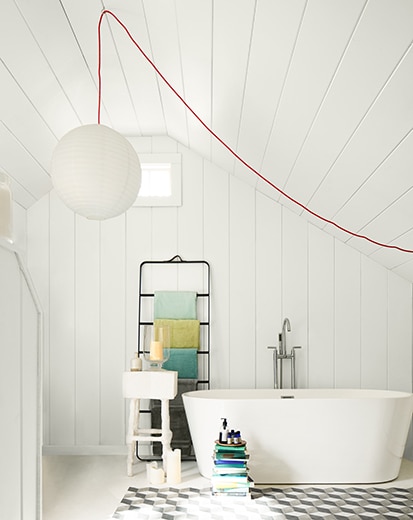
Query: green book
{"points": [[231, 456], [229, 447]]}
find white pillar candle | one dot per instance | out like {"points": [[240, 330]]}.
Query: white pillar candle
{"points": [[157, 476], [173, 467], [156, 351], [149, 467]]}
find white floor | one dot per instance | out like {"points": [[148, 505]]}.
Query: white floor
{"points": [[91, 487]]}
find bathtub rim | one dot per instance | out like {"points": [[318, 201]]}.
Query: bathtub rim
{"points": [[303, 393]]}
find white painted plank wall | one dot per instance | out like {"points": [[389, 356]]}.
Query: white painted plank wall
{"points": [[347, 316], [399, 333], [268, 286], [20, 464], [321, 359], [374, 322], [62, 394], [10, 386], [352, 317], [87, 331], [217, 253], [294, 302], [241, 285]]}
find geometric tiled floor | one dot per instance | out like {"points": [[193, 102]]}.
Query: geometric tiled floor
{"points": [[267, 503]]}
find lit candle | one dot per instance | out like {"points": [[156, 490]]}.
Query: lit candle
{"points": [[156, 351]]}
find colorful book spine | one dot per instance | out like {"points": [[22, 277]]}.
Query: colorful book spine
{"points": [[230, 472]]}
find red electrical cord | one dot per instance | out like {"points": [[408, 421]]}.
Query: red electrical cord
{"points": [[283, 193]]}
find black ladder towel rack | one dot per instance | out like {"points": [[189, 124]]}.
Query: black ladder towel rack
{"points": [[202, 290]]}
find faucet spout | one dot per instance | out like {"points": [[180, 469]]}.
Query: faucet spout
{"points": [[283, 342], [280, 356]]}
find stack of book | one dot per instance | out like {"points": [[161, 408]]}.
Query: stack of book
{"points": [[230, 471]]}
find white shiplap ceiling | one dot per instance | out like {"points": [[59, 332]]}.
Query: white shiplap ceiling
{"points": [[316, 95]]}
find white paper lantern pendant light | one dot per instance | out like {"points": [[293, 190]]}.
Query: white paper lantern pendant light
{"points": [[96, 172]]}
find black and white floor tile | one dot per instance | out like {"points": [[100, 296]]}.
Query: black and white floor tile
{"points": [[312, 503]]}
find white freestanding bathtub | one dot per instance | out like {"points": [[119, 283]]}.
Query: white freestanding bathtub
{"points": [[306, 436]]}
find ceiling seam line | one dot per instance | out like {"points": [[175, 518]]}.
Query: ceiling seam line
{"points": [[26, 150], [326, 93], [182, 71], [124, 76], [51, 69], [156, 76], [245, 83], [374, 171], [367, 112], [19, 87], [273, 124]]}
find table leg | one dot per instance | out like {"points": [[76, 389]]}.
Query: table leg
{"points": [[134, 406], [166, 431]]}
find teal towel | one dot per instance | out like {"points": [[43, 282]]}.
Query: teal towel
{"points": [[184, 361], [175, 305]]}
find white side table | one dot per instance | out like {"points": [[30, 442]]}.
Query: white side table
{"points": [[150, 384]]}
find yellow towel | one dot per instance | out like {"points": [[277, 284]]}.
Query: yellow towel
{"points": [[183, 333]]}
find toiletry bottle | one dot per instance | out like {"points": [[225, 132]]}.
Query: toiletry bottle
{"points": [[223, 434], [136, 363]]}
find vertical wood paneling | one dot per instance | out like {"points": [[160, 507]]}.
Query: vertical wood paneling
{"points": [[10, 387], [87, 326], [190, 215], [347, 317], [30, 445], [217, 251], [242, 285], [164, 220], [399, 334], [112, 329], [374, 310], [38, 245], [165, 244], [164, 227], [294, 288], [62, 333], [138, 249], [320, 309], [268, 286], [19, 392], [20, 229]]}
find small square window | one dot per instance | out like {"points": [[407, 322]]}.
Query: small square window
{"points": [[161, 180], [156, 180]]}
